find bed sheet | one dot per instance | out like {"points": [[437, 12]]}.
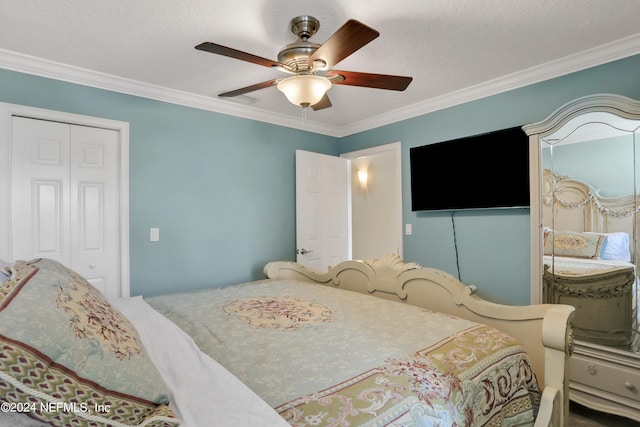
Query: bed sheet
{"points": [[203, 393], [575, 266], [318, 356]]}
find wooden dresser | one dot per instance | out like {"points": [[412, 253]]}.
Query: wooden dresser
{"points": [[605, 379]]}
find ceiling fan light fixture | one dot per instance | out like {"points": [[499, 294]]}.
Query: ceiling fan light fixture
{"points": [[304, 90]]}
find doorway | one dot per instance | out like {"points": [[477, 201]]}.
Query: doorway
{"points": [[376, 201], [370, 212]]}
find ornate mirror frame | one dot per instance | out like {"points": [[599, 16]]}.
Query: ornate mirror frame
{"points": [[609, 103]]}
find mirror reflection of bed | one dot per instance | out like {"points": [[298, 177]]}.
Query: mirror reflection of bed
{"points": [[584, 236], [588, 259]]}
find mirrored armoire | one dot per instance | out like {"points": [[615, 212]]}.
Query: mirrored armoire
{"points": [[585, 198]]}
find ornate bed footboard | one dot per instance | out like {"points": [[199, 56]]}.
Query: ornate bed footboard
{"points": [[544, 329], [604, 300]]}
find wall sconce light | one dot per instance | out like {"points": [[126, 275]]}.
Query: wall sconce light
{"points": [[363, 176]]}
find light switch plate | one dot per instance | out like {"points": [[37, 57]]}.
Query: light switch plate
{"points": [[154, 234]]}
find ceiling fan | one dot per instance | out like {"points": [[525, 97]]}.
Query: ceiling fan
{"points": [[311, 64]]}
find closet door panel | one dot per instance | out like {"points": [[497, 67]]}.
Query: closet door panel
{"points": [[40, 190], [94, 205], [46, 212]]}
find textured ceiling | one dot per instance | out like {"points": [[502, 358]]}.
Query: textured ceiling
{"points": [[455, 50]]}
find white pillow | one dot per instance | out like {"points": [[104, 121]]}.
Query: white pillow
{"points": [[616, 247]]}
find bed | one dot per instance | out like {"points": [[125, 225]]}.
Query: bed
{"points": [[431, 353], [588, 258]]}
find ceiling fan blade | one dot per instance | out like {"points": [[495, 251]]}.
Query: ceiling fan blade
{"points": [[325, 102], [350, 37], [237, 54], [248, 89], [378, 81]]}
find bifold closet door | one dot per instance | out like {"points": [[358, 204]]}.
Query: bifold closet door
{"points": [[64, 196]]}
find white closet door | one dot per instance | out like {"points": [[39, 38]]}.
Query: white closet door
{"points": [[40, 216], [65, 197], [94, 204]]}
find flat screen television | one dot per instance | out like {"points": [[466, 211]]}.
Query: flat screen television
{"points": [[486, 171]]}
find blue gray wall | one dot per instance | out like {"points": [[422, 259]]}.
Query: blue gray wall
{"points": [[607, 164], [492, 246], [221, 189]]}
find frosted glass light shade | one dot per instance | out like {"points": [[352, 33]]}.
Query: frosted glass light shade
{"points": [[304, 90], [363, 177]]}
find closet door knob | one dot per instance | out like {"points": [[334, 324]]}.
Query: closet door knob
{"points": [[92, 266]]}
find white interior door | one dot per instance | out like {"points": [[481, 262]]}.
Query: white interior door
{"points": [[94, 205], [322, 210], [40, 217], [64, 197]]}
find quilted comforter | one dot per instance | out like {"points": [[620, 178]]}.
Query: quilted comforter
{"points": [[330, 357]]}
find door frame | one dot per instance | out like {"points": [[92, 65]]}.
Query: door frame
{"points": [[397, 148], [7, 111]]}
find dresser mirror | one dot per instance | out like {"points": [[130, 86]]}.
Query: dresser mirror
{"points": [[585, 228]]}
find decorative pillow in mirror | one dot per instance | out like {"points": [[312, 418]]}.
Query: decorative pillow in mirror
{"points": [[573, 244]]}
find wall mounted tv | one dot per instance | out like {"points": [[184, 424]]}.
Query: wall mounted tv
{"points": [[484, 171]]}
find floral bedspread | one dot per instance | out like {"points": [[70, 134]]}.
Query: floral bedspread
{"points": [[328, 357], [441, 385]]}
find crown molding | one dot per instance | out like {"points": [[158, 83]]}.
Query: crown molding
{"points": [[603, 54], [44, 68], [586, 59]]}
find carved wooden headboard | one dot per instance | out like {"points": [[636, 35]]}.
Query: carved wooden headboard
{"points": [[576, 206]]}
